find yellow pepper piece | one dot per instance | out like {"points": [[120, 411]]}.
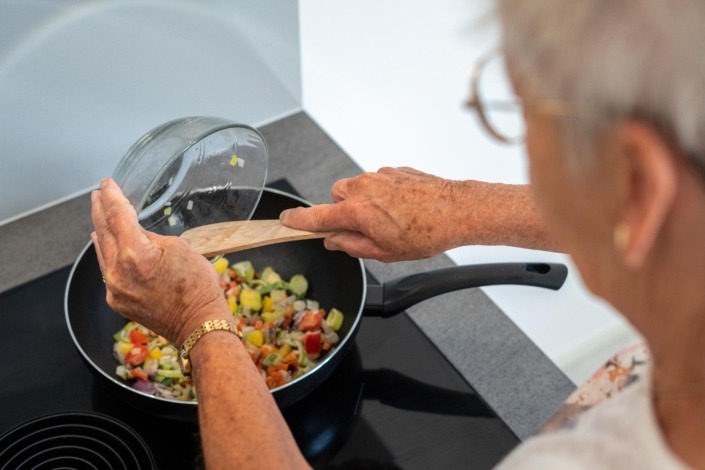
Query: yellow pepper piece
{"points": [[220, 265], [255, 337], [251, 298], [233, 160], [267, 304], [124, 348], [155, 353], [232, 304], [285, 349], [272, 317]]}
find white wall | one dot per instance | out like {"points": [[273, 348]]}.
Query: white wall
{"points": [[81, 80], [387, 81]]}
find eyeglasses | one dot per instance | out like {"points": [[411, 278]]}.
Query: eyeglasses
{"points": [[500, 111]]}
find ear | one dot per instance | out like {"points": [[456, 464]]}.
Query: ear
{"points": [[649, 168]]}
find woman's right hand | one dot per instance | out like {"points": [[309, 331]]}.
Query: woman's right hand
{"points": [[391, 215]]}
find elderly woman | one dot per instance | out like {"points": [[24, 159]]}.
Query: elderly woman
{"points": [[616, 142]]}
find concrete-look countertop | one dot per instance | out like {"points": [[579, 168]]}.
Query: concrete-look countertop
{"points": [[511, 374]]}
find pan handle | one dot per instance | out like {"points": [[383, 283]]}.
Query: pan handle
{"points": [[395, 296]]}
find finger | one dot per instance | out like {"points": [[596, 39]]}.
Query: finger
{"points": [[98, 215], [355, 244], [410, 171], [120, 216], [387, 169], [320, 218], [348, 187], [341, 189], [104, 239], [98, 253]]}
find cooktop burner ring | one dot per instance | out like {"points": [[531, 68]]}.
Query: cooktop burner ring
{"points": [[74, 440]]}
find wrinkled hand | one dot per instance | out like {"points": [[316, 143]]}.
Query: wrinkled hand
{"points": [[157, 281], [392, 215]]}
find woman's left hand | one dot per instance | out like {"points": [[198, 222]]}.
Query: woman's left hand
{"points": [[157, 281]]}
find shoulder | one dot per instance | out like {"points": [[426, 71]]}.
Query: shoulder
{"points": [[619, 433]]}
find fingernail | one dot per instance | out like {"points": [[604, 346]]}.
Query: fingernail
{"points": [[103, 183], [284, 214], [330, 245]]}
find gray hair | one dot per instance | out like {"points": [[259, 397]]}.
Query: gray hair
{"points": [[615, 58]]}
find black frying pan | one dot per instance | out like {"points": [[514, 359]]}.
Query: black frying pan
{"points": [[335, 280]]}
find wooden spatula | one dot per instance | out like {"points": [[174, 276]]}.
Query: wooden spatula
{"points": [[228, 237]]}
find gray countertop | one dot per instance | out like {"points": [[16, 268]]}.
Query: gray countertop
{"points": [[513, 376]]}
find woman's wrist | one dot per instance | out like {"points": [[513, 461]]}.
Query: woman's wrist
{"points": [[500, 214], [481, 217], [216, 310], [216, 346]]}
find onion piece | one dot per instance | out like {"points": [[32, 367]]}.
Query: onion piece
{"points": [[144, 386]]}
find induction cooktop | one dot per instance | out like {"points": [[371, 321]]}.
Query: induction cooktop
{"points": [[395, 401]]}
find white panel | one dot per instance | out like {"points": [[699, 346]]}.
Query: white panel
{"points": [[80, 81], [387, 80]]}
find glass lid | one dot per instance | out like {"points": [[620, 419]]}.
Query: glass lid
{"points": [[194, 171]]}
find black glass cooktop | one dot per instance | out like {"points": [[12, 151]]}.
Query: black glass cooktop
{"points": [[395, 402]]}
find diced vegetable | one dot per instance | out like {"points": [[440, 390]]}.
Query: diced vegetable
{"points": [[312, 343], [221, 265], [151, 366], [270, 276], [311, 320], [237, 161], [124, 334], [271, 359], [285, 349], [255, 337], [171, 374], [136, 355], [273, 317], [144, 386], [298, 285], [245, 270], [137, 337], [137, 373], [121, 371], [335, 319], [123, 348], [252, 299], [278, 295]]}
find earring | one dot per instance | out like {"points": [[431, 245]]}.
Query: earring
{"points": [[621, 236]]}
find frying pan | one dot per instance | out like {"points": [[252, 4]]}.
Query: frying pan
{"points": [[335, 280]]}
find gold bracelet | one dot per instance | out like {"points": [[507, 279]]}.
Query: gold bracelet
{"points": [[198, 333]]}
